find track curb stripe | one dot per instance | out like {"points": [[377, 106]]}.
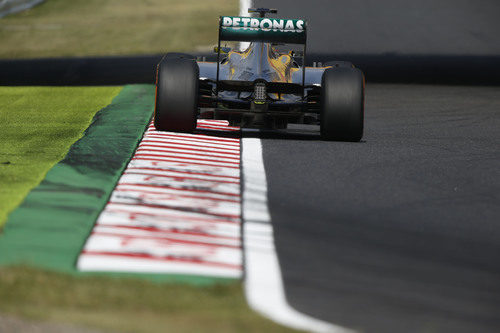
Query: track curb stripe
{"points": [[196, 187]]}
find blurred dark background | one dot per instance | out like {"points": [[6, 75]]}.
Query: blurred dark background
{"points": [[437, 42], [392, 27]]}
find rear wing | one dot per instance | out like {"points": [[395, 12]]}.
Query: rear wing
{"points": [[262, 29], [270, 30]]}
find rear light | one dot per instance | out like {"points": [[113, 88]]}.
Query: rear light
{"points": [[259, 93]]}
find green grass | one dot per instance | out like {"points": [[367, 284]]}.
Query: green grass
{"points": [[39, 124], [37, 127], [59, 28], [127, 304]]}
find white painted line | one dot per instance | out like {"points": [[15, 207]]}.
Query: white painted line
{"points": [[208, 156], [263, 282], [234, 172], [178, 192], [193, 137], [153, 233], [111, 263], [186, 160], [211, 186], [180, 174]]}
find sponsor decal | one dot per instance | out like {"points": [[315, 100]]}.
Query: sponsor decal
{"points": [[264, 24]]}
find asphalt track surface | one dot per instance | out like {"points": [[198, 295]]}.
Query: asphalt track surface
{"points": [[397, 233]]}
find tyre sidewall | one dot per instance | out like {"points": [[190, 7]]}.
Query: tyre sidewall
{"points": [[342, 104], [176, 106]]}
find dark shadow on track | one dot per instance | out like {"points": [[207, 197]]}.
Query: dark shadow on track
{"points": [[219, 134], [293, 132], [387, 68], [300, 132]]}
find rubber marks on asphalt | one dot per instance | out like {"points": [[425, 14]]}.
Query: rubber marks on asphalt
{"points": [[176, 209]]}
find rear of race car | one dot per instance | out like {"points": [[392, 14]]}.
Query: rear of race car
{"points": [[267, 85]]}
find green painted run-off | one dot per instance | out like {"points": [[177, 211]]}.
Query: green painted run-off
{"points": [[50, 227]]}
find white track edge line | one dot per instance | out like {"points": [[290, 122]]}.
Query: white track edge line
{"points": [[264, 288]]}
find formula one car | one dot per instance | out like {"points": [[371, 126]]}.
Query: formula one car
{"points": [[260, 87]]}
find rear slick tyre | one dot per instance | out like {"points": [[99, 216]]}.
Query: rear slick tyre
{"points": [[176, 107], [342, 104]]}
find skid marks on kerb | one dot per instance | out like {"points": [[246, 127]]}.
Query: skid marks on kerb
{"points": [[176, 208]]}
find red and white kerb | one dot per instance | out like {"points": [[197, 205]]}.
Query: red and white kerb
{"points": [[176, 209]]}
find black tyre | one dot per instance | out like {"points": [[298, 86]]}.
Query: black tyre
{"points": [[342, 104], [176, 107], [336, 63]]}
